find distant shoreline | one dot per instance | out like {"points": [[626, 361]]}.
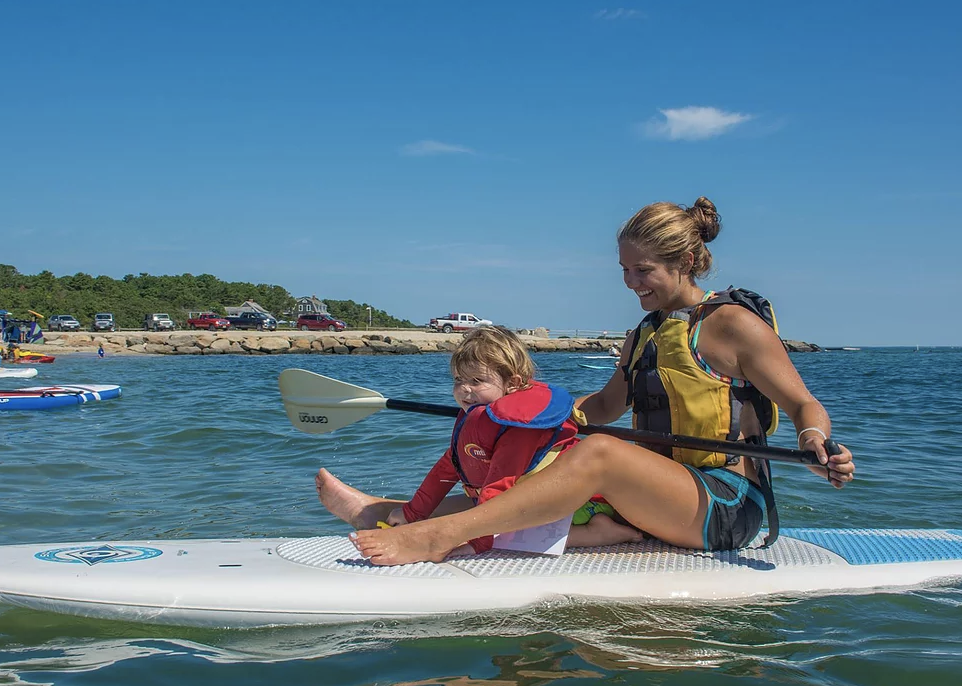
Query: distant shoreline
{"points": [[385, 342]]}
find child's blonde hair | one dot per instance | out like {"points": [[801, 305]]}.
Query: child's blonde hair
{"points": [[495, 348]]}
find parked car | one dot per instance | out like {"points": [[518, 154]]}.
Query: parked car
{"points": [[63, 322], [207, 320], [158, 322], [253, 320], [103, 321], [319, 322], [457, 321]]}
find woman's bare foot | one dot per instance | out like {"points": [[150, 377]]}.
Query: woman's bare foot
{"points": [[414, 542], [360, 510], [602, 530]]}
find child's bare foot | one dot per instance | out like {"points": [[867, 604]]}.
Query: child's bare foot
{"points": [[602, 530], [400, 545], [360, 510]]}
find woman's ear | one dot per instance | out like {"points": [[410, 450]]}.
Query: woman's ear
{"points": [[687, 262], [513, 383]]}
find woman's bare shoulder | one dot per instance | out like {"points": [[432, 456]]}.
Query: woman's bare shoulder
{"points": [[739, 323]]}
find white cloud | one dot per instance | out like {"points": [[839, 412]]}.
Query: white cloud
{"points": [[693, 123], [620, 13], [428, 147]]}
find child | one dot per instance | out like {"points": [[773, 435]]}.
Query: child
{"points": [[509, 426]]}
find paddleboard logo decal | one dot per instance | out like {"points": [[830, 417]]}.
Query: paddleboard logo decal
{"points": [[96, 554], [476, 451], [307, 418]]}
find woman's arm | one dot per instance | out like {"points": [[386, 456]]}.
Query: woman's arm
{"points": [[743, 346], [608, 404]]}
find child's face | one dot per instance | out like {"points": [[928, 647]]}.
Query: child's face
{"points": [[479, 386]]}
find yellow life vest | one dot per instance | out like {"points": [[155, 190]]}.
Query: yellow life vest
{"points": [[672, 391]]}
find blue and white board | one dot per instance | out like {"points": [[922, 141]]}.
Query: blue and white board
{"points": [[251, 582], [49, 397], [609, 367]]}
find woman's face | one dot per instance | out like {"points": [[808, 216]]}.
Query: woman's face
{"points": [[658, 286]]}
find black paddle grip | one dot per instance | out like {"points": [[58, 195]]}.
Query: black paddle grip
{"points": [[831, 447]]}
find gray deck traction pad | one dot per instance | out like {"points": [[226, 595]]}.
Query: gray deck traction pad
{"points": [[336, 553]]}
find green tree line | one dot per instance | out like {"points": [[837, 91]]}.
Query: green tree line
{"points": [[130, 298], [356, 316]]}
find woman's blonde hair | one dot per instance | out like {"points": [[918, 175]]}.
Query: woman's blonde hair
{"points": [[495, 348], [669, 231]]}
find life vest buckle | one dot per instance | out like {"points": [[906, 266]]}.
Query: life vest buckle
{"points": [[651, 403]]}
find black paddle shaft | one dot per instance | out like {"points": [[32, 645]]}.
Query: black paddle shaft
{"points": [[766, 452], [421, 408]]}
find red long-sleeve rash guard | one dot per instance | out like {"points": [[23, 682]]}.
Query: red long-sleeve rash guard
{"points": [[489, 462]]}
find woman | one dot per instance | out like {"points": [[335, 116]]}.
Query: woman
{"points": [[701, 364]]}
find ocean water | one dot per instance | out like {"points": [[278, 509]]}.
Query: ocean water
{"points": [[200, 447]]}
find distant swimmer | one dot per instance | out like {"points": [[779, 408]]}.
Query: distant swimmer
{"points": [[100, 350]]}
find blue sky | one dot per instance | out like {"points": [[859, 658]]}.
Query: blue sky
{"points": [[428, 157]]}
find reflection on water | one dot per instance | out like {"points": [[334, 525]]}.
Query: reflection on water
{"points": [[789, 640]]}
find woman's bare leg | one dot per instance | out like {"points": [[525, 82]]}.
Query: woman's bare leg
{"points": [[650, 491]]}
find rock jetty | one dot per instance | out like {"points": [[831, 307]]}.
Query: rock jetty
{"points": [[286, 342], [296, 342]]}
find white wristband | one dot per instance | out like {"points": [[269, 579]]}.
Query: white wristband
{"points": [[811, 428]]}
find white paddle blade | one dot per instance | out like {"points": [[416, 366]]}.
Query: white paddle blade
{"points": [[318, 404]]}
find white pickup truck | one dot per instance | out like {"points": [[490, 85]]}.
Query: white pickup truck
{"points": [[458, 321]]}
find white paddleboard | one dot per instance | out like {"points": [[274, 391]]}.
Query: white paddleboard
{"points": [[250, 582], [24, 373]]}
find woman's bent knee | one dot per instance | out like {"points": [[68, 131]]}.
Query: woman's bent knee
{"points": [[596, 455]]}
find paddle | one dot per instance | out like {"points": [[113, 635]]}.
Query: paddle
{"points": [[318, 404]]}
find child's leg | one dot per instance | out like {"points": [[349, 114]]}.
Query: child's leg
{"points": [[360, 510], [452, 504], [602, 530], [364, 511]]}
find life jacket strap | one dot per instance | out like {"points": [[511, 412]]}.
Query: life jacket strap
{"points": [[764, 470]]}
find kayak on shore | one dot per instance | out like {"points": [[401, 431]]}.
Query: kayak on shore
{"points": [[31, 357]]}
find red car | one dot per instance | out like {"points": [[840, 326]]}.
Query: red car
{"points": [[208, 320], [319, 322]]}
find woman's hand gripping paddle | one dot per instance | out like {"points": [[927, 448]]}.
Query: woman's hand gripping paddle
{"points": [[318, 404]]}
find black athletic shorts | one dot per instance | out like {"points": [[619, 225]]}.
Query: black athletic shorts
{"points": [[736, 509]]}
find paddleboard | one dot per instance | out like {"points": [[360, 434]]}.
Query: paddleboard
{"points": [[323, 580], [599, 357], [27, 373], [609, 367], [49, 397]]}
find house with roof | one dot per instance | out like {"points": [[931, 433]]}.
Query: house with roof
{"points": [[248, 306], [310, 305]]}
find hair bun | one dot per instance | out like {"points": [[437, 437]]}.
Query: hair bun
{"points": [[706, 218]]}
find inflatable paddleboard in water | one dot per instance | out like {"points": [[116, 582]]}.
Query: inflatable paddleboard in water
{"points": [[49, 397], [25, 373], [250, 582]]}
